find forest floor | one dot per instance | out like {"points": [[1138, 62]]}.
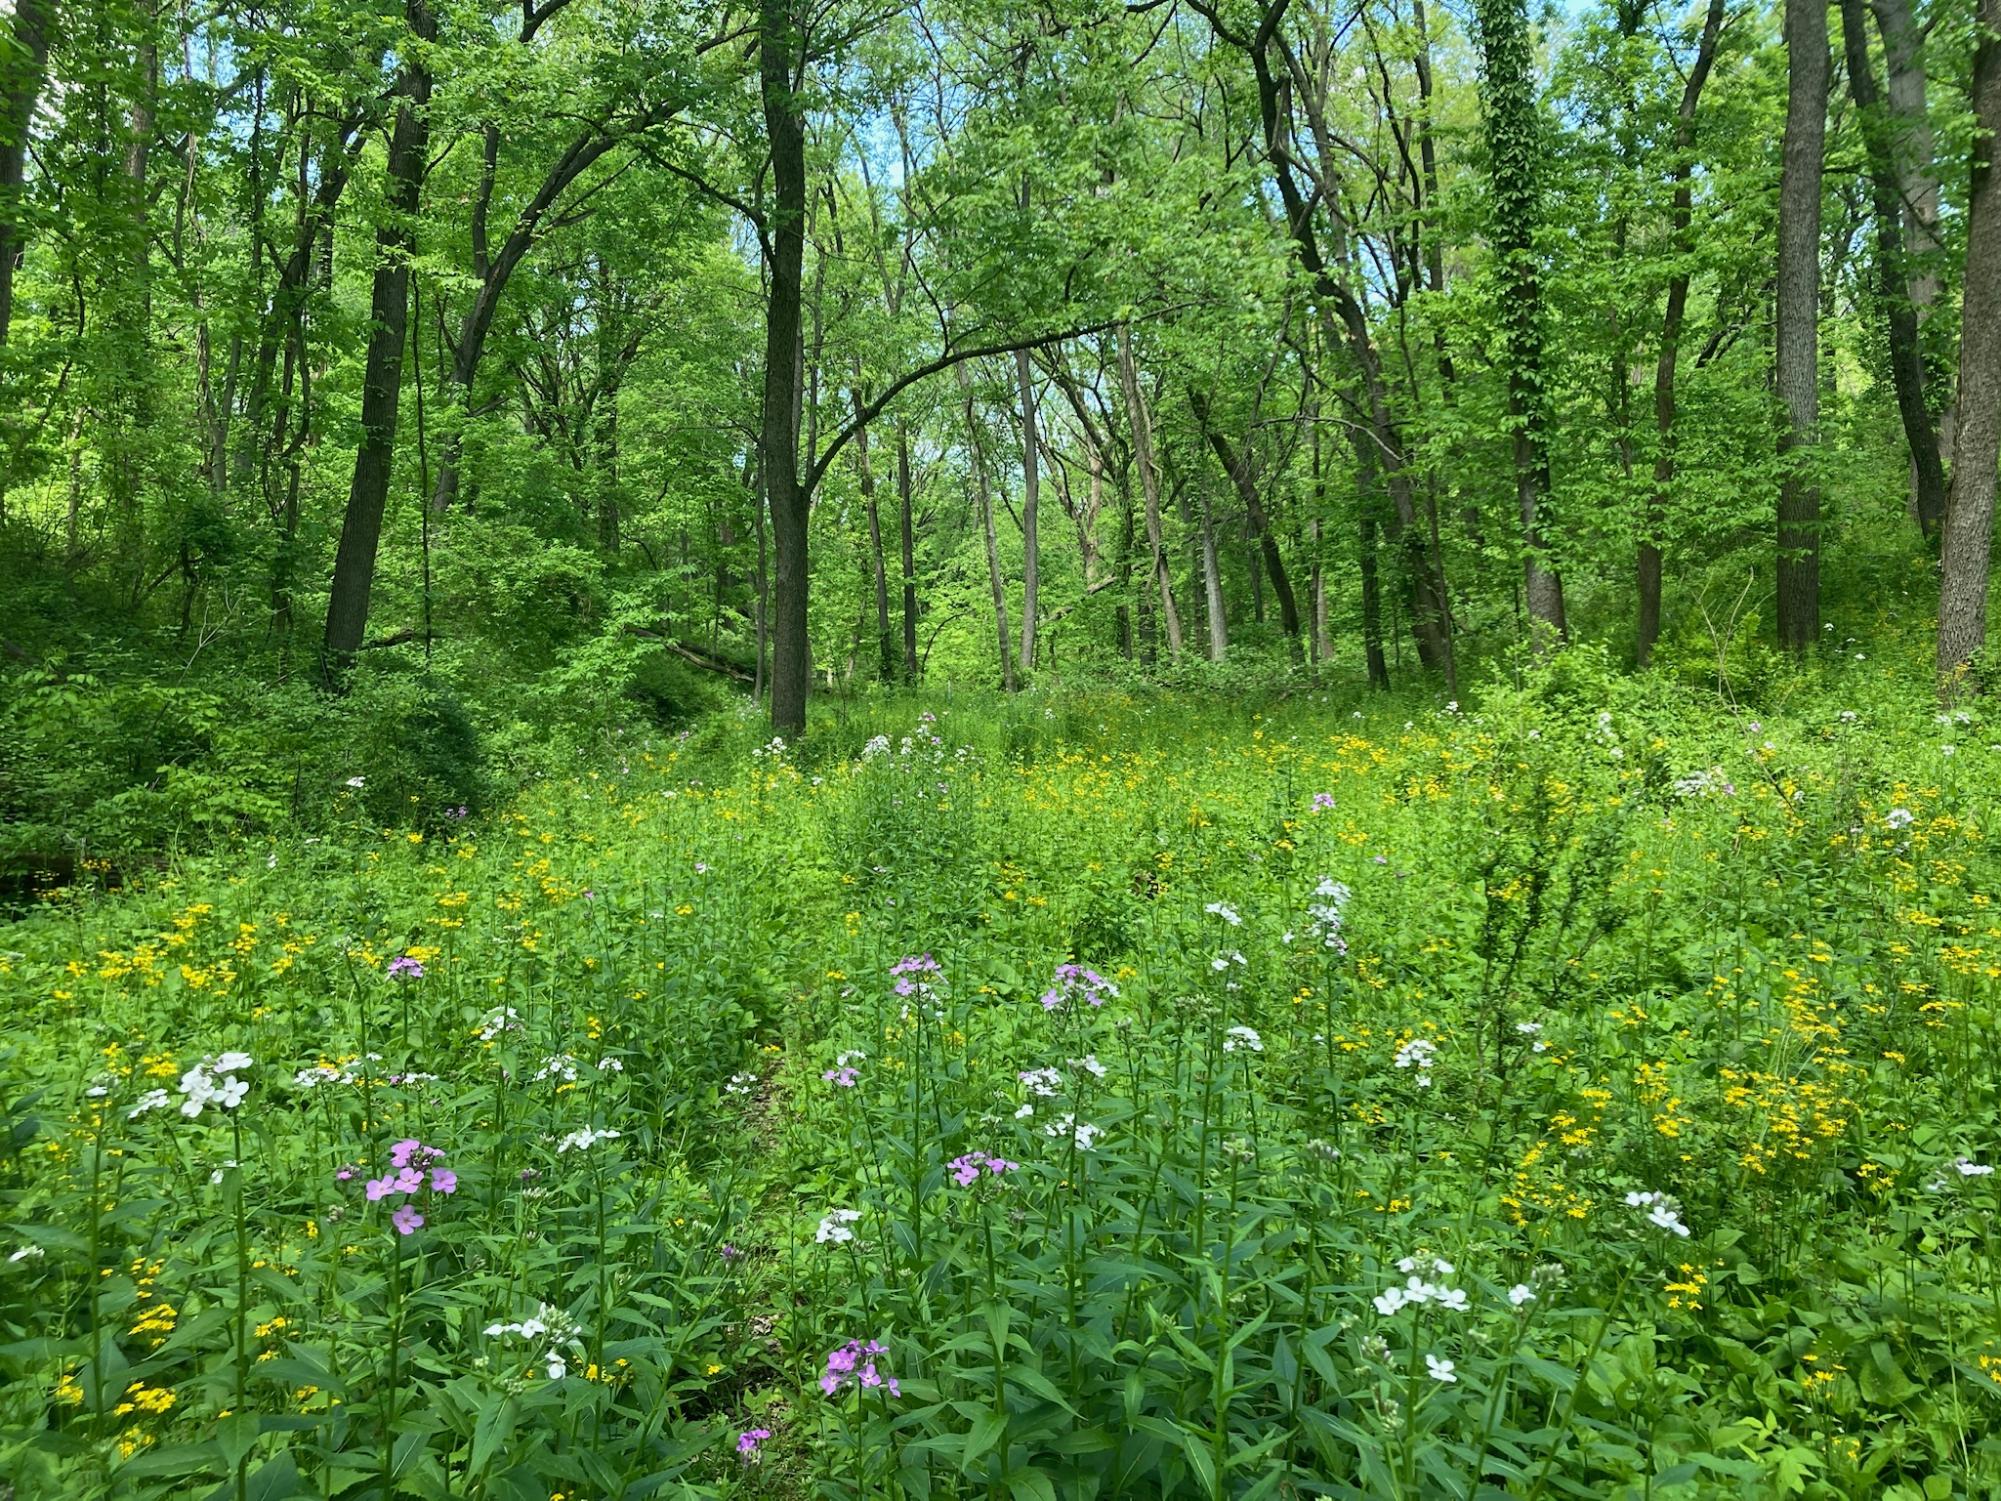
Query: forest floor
{"points": [[1594, 1095]]}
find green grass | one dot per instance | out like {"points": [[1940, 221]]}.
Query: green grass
{"points": [[1599, 940]]}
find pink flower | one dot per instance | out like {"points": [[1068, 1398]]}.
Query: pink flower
{"points": [[444, 1180], [400, 1154], [406, 1220], [377, 1187], [409, 1181]]}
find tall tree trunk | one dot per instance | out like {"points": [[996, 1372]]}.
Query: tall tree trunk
{"points": [[1893, 291], [382, 380], [1149, 478], [21, 76], [1031, 556], [1917, 176], [879, 572], [1680, 222], [906, 525], [785, 128], [1976, 449], [1237, 467], [983, 496], [1797, 332], [1368, 515], [1514, 152], [1201, 524]]}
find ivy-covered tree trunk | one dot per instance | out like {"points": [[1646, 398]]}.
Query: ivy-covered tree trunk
{"points": [[1796, 331], [1514, 150], [382, 379], [1976, 449]]}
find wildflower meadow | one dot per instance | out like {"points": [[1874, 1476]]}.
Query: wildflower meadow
{"points": [[1087, 1098]]}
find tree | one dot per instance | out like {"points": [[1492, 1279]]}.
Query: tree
{"points": [[1514, 148], [382, 386], [1796, 320], [1976, 449]]}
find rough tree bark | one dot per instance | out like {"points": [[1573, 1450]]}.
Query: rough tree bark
{"points": [[1149, 478], [21, 78], [1031, 558], [1976, 449]]}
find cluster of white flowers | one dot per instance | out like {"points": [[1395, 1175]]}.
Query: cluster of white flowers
{"points": [[1243, 1037], [740, 1084], [213, 1081], [500, 1019], [585, 1139], [1439, 1369], [1970, 1169], [1715, 782], [1418, 1290], [557, 1066], [1041, 1081], [1532, 1030], [318, 1074], [1662, 1211], [776, 749], [1069, 1127], [611, 1065], [1419, 1053], [550, 1327], [1090, 1065], [1325, 915], [1225, 911], [834, 1227], [1899, 818]]}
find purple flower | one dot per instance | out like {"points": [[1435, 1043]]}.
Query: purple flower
{"points": [[347, 1171], [405, 968], [378, 1187], [915, 964], [853, 1364], [406, 1220], [749, 1439], [444, 1181], [400, 1154], [1073, 982], [966, 1169], [844, 1077], [1323, 802], [409, 1180], [730, 1253]]}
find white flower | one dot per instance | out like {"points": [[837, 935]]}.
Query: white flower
{"points": [[1418, 1053], [740, 1084], [1225, 911], [558, 1066], [557, 1367], [1439, 1370], [152, 1099], [216, 1176], [1041, 1081], [357, 782], [1971, 1169], [1090, 1065], [1390, 1302], [585, 1139], [611, 1065], [834, 1227], [230, 1063], [1668, 1220], [500, 1019], [1242, 1037], [1899, 818], [1521, 1293], [1024, 1113], [1640, 1200], [1082, 1133], [28, 1253]]}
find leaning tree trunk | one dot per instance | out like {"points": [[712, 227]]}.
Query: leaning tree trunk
{"points": [[1976, 449], [785, 126], [1513, 153], [1672, 320], [878, 570], [907, 527], [1893, 282], [1237, 467], [382, 379], [983, 495], [1797, 332]]}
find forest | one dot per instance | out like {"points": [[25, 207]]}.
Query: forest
{"points": [[982, 749]]}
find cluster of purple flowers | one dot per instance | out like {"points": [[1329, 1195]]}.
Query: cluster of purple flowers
{"points": [[1323, 802], [403, 967], [748, 1440], [1074, 982], [966, 1170], [913, 965], [415, 1168], [853, 1364]]}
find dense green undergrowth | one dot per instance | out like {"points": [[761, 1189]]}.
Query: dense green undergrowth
{"points": [[1590, 1093]]}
